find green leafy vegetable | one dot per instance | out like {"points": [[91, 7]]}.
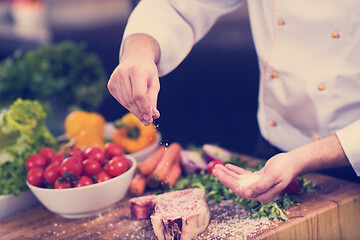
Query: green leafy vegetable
{"points": [[64, 73], [22, 132], [216, 191]]}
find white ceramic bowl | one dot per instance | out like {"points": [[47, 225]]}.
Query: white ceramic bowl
{"points": [[86, 201], [10, 204]]}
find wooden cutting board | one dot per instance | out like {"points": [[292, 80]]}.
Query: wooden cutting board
{"points": [[332, 212]]}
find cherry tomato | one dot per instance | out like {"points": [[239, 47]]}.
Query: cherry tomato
{"points": [[76, 152], [35, 176], [102, 177], [52, 173], [84, 181], [48, 153], [60, 183], [95, 153], [71, 166], [117, 166], [293, 188], [91, 167], [35, 160], [59, 157], [112, 150], [212, 164]]}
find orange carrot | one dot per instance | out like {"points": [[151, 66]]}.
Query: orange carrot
{"points": [[137, 185], [171, 177], [149, 164], [171, 156]]}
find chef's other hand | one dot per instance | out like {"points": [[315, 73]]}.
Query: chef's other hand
{"points": [[277, 173], [135, 82]]}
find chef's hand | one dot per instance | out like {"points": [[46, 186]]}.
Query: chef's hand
{"points": [[277, 173], [280, 170], [135, 82]]}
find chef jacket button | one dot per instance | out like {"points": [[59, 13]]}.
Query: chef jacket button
{"points": [[272, 123], [280, 22], [321, 87], [315, 139], [273, 74], [335, 35]]}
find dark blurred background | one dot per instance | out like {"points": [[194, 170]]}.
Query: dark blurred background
{"points": [[210, 98]]}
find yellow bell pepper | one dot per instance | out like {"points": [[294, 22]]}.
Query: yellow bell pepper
{"points": [[86, 128], [132, 135]]}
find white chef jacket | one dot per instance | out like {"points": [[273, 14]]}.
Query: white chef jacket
{"points": [[309, 60]]}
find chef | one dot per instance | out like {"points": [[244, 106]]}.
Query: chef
{"points": [[309, 96]]}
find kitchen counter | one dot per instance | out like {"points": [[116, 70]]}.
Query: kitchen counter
{"points": [[331, 212]]}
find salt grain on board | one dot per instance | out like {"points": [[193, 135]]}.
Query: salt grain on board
{"points": [[229, 221], [236, 226]]}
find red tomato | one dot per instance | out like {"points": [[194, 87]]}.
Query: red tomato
{"points": [[59, 157], [112, 150], [48, 153], [91, 167], [293, 188], [95, 153], [117, 166], [71, 166], [76, 152], [52, 173], [35, 160], [212, 165], [84, 181], [102, 177], [61, 184], [35, 176]]}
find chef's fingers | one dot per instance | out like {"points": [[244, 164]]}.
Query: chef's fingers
{"points": [[227, 171], [237, 170], [269, 195], [120, 87], [140, 79], [226, 179], [114, 87], [264, 184], [154, 88]]}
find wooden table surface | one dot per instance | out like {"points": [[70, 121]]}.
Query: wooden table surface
{"points": [[332, 212]]}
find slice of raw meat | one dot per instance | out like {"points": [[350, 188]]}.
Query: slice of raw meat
{"points": [[142, 207], [180, 214]]}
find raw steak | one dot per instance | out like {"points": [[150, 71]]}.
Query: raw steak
{"points": [[142, 207], [180, 214]]}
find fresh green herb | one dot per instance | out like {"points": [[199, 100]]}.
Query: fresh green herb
{"points": [[62, 73], [216, 191], [22, 132]]}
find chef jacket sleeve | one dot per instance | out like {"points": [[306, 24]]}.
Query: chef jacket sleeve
{"points": [[176, 25], [349, 140]]}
